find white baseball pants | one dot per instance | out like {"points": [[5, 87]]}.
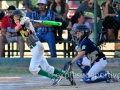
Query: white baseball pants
{"points": [[97, 67], [38, 60]]}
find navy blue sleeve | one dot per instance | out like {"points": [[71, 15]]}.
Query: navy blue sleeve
{"points": [[85, 46]]}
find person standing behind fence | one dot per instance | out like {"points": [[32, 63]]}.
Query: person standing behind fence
{"points": [[61, 8], [45, 32], [30, 6], [87, 8], [8, 33], [109, 23]]}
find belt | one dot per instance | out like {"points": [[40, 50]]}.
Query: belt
{"points": [[33, 45]]}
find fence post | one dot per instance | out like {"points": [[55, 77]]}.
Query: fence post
{"points": [[95, 21]]}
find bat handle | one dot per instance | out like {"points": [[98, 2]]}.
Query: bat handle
{"points": [[39, 21]]}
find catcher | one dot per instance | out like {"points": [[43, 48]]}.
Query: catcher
{"points": [[88, 49], [38, 63]]}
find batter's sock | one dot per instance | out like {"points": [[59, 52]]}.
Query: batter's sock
{"points": [[47, 74], [62, 73]]}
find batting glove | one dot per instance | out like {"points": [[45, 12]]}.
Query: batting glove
{"points": [[24, 20]]}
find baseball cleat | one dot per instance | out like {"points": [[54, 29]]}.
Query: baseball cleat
{"points": [[71, 79], [110, 77], [57, 80]]}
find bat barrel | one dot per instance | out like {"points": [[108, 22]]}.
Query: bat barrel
{"points": [[54, 23]]}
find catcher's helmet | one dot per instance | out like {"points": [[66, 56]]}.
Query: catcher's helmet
{"points": [[17, 12], [81, 28], [117, 10]]}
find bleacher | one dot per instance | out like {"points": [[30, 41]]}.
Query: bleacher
{"points": [[11, 50]]}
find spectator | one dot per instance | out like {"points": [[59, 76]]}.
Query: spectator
{"points": [[107, 8], [30, 6], [45, 32], [9, 34], [2, 14], [49, 2], [109, 23], [77, 18], [61, 8], [87, 8]]}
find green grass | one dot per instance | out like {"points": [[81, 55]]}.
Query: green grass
{"points": [[14, 70]]}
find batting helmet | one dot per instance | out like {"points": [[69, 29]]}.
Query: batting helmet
{"points": [[17, 12]]}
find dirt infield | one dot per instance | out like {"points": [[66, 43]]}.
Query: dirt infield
{"points": [[30, 82], [19, 78]]}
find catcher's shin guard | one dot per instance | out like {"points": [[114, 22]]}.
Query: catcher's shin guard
{"points": [[71, 78]]}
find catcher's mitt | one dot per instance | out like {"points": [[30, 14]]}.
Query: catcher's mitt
{"points": [[67, 67]]}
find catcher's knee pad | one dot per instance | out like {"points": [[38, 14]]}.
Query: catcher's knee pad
{"points": [[83, 61], [79, 62], [86, 61], [83, 68]]}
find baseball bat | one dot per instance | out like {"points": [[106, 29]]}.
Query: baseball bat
{"points": [[54, 23]]}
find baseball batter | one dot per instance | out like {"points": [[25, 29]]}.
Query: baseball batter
{"points": [[38, 63]]}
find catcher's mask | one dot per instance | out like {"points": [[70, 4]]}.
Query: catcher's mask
{"points": [[85, 32], [116, 8]]}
